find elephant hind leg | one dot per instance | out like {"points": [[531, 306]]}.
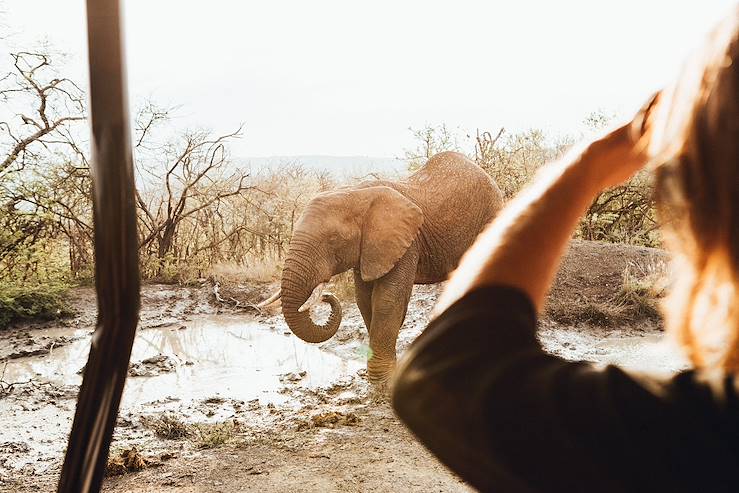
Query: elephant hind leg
{"points": [[390, 296]]}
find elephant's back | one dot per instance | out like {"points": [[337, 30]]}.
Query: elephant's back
{"points": [[458, 199], [451, 180]]}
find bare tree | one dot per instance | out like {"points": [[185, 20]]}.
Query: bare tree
{"points": [[196, 176], [57, 103], [38, 119], [624, 214], [430, 140]]}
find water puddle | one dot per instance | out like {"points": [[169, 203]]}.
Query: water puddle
{"points": [[232, 357], [202, 368], [652, 352], [646, 352], [214, 358]]}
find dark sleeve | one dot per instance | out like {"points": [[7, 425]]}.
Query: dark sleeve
{"points": [[442, 380], [480, 392]]}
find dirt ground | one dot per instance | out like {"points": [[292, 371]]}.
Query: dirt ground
{"points": [[223, 400]]}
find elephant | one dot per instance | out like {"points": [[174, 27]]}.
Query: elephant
{"points": [[392, 234]]}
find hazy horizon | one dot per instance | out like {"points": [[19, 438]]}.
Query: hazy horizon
{"points": [[338, 79]]}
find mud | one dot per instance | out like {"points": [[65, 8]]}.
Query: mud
{"points": [[220, 400]]}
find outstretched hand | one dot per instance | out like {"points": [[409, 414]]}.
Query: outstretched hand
{"points": [[622, 152]]}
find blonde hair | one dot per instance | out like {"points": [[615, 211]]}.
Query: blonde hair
{"points": [[695, 135]]}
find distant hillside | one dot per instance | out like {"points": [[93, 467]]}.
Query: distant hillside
{"points": [[343, 166]]}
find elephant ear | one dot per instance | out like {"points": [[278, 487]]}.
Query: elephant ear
{"points": [[390, 225]]}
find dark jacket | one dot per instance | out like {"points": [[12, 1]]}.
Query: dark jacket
{"points": [[480, 392]]}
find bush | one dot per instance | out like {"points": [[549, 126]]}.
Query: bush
{"points": [[41, 301], [623, 214]]}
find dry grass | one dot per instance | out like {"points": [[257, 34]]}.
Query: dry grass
{"points": [[637, 299], [266, 269], [236, 276], [342, 285], [587, 312], [203, 435], [330, 419], [207, 436], [125, 461], [641, 289], [167, 426]]}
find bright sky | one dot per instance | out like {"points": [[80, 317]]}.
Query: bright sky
{"points": [[349, 78]]}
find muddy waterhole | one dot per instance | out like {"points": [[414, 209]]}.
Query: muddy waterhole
{"points": [[297, 417]]}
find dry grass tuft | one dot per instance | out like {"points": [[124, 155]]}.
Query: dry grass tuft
{"points": [[207, 436], [330, 419], [587, 312], [641, 289], [167, 426], [128, 460], [637, 299], [203, 435]]}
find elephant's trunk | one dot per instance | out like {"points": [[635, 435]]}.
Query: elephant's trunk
{"points": [[299, 278]]}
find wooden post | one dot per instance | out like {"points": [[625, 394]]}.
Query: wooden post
{"points": [[116, 255]]}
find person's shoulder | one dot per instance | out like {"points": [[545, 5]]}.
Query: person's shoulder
{"points": [[708, 400], [717, 386], [688, 385]]}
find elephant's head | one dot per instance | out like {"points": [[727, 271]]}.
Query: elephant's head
{"points": [[367, 227]]}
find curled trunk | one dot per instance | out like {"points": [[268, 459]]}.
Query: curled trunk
{"points": [[297, 286]]}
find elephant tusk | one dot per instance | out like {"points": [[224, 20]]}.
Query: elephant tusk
{"points": [[313, 298], [276, 296]]}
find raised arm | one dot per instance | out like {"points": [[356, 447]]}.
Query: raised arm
{"points": [[477, 380], [523, 245]]}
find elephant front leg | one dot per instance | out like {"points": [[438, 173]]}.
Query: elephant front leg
{"points": [[363, 294], [390, 296]]}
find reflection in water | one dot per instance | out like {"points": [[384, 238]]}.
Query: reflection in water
{"points": [[231, 357], [234, 357]]}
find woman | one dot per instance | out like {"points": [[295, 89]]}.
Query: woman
{"points": [[479, 391]]}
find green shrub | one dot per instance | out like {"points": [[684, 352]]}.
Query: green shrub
{"points": [[40, 301]]}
